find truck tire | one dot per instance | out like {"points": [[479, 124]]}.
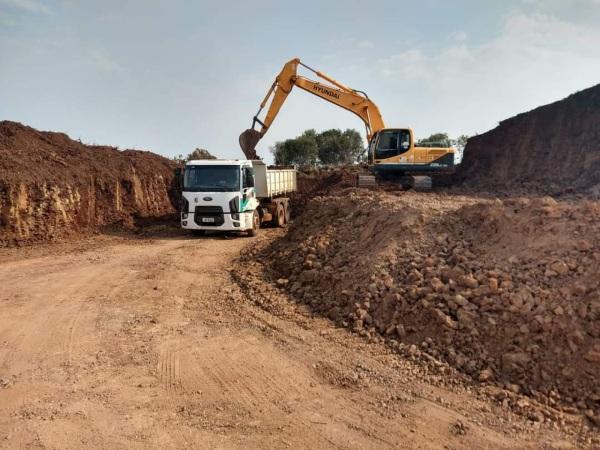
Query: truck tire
{"points": [[280, 216], [255, 224]]}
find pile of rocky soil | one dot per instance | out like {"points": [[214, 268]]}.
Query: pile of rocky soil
{"points": [[553, 149], [320, 181], [51, 185], [507, 292]]}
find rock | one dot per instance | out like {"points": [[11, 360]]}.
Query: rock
{"points": [[485, 375], [592, 356], [560, 267], [514, 360], [282, 281], [400, 331], [460, 300], [548, 201], [389, 330], [445, 319], [515, 388], [583, 246], [468, 281], [535, 416], [582, 310], [437, 284], [361, 313], [308, 276], [413, 350], [334, 313]]}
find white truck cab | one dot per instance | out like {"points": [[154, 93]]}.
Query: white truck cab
{"points": [[234, 195]]}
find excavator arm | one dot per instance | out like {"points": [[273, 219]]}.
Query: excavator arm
{"points": [[334, 92]]}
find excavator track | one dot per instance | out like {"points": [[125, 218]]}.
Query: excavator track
{"points": [[416, 182]]}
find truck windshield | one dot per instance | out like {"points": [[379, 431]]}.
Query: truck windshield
{"points": [[211, 178], [391, 143]]}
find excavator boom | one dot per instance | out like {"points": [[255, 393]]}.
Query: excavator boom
{"points": [[335, 92]]}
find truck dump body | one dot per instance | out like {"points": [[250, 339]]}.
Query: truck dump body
{"points": [[274, 182]]}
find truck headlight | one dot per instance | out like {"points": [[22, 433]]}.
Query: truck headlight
{"points": [[184, 215], [235, 216]]}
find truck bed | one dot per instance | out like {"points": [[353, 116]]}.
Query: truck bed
{"points": [[271, 183]]}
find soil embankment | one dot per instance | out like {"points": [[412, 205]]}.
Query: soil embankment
{"points": [[506, 292], [553, 149], [52, 186]]}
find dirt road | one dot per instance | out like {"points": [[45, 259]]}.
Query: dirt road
{"points": [[146, 342]]}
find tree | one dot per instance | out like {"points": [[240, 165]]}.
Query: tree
{"points": [[460, 143], [302, 151], [329, 147], [436, 138], [200, 153], [337, 148]]}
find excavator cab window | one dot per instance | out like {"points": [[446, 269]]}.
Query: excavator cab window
{"points": [[391, 143]]}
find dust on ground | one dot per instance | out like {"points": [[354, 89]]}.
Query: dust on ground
{"points": [[148, 341], [505, 292]]}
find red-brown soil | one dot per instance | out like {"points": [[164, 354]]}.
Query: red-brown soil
{"points": [[553, 149], [51, 185], [507, 292]]}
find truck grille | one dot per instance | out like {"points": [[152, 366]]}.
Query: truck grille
{"points": [[209, 216]]}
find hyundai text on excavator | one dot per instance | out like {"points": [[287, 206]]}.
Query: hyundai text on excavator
{"points": [[392, 152]]}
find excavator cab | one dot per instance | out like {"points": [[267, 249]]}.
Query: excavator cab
{"points": [[390, 142]]}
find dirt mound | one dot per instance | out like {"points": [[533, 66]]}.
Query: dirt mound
{"points": [[322, 181], [505, 291], [51, 185], [553, 149]]}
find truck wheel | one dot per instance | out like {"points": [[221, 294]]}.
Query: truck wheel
{"points": [[288, 213], [280, 216], [255, 223]]}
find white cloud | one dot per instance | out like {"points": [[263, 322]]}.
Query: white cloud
{"points": [[365, 45], [535, 59], [103, 62], [460, 36], [31, 6]]}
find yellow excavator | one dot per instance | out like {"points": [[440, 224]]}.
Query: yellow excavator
{"points": [[392, 152]]}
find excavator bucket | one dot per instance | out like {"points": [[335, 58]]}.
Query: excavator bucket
{"points": [[248, 141]]}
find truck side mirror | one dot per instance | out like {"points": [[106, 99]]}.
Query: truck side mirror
{"points": [[178, 172], [248, 178]]}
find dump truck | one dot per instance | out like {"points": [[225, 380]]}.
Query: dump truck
{"points": [[392, 152], [235, 195]]}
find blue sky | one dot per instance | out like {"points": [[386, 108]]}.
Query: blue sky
{"points": [[172, 76]]}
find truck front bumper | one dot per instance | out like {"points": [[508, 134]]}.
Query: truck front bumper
{"points": [[224, 222]]}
